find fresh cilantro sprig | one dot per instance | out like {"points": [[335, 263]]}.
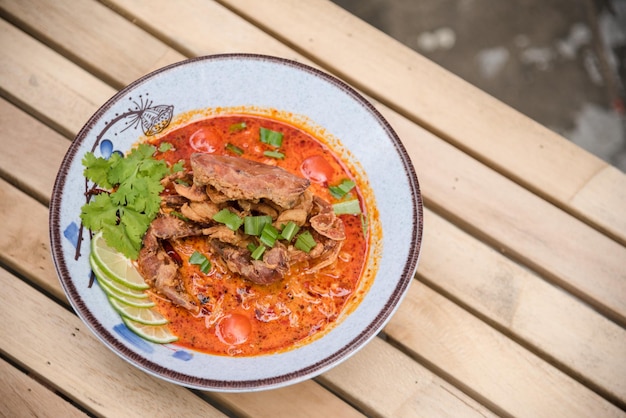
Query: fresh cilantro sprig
{"points": [[131, 197]]}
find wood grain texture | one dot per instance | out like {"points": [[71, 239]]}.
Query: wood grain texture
{"points": [[487, 365], [558, 326], [517, 222], [46, 83], [165, 20], [417, 392], [129, 52], [501, 137], [31, 152], [22, 396]]}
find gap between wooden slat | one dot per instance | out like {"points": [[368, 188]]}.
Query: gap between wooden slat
{"points": [[23, 394]]}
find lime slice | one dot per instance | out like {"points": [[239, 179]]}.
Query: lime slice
{"points": [[142, 315], [126, 300], [113, 285], [115, 265], [159, 334]]}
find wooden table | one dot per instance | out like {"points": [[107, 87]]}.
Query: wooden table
{"points": [[519, 303]]}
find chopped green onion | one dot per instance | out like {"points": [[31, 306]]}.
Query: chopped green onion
{"points": [[269, 235], [349, 207], [274, 154], [200, 260], [289, 231], [165, 146], [251, 247], [228, 218], [253, 225], [179, 215], [258, 252], [236, 127], [341, 189], [273, 138], [305, 242], [364, 224], [234, 149]]}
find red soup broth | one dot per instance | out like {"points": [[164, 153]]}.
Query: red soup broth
{"points": [[239, 317]]}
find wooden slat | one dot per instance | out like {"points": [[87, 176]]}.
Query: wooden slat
{"points": [[529, 228], [525, 151], [130, 52], [205, 25], [22, 396], [487, 365], [25, 139], [41, 80], [71, 358], [416, 391], [517, 222], [557, 326]]}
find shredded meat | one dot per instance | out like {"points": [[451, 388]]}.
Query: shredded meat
{"points": [[160, 271], [201, 212], [272, 268], [245, 188], [326, 222], [239, 178]]}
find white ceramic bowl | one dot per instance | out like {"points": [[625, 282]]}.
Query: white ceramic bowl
{"points": [[254, 83]]}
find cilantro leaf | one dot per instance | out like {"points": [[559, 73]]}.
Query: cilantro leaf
{"points": [[123, 242], [97, 169], [99, 212], [125, 212]]}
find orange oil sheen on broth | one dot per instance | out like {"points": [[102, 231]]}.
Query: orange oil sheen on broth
{"points": [[239, 317]]}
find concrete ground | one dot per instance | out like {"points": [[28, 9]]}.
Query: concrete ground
{"points": [[560, 62]]}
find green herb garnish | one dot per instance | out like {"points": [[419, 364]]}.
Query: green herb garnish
{"points": [[349, 207], [305, 242], [165, 146], [289, 231], [272, 138], [269, 235], [234, 149], [253, 225], [341, 189], [274, 154], [258, 252], [201, 260], [236, 127], [228, 218], [129, 198]]}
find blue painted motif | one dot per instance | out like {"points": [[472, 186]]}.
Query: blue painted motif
{"points": [[106, 148], [71, 233], [133, 338], [182, 355]]}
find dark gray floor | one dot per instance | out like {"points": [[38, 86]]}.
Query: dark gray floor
{"points": [[561, 62]]}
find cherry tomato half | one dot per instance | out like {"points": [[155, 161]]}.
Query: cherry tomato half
{"points": [[317, 169], [233, 329]]}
